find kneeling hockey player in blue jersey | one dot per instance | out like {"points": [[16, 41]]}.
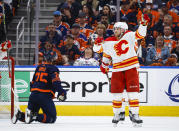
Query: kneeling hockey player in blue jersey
{"points": [[45, 83]]}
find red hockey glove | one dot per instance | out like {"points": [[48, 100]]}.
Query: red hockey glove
{"points": [[145, 19], [6, 45], [104, 68], [98, 41]]}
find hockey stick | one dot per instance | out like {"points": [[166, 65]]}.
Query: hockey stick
{"points": [[107, 75], [109, 80], [140, 8]]}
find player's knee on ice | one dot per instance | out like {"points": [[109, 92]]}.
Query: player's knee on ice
{"points": [[47, 118], [51, 119]]}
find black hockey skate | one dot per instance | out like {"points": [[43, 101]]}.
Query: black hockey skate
{"points": [[135, 119], [16, 116], [122, 116], [115, 119], [30, 116], [118, 118]]}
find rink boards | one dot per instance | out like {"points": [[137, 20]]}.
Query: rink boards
{"points": [[89, 92]]}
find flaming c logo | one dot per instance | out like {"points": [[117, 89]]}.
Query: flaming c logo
{"points": [[173, 83], [118, 48]]}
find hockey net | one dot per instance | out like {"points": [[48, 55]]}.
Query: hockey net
{"points": [[7, 97]]}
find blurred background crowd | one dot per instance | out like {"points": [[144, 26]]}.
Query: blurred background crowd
{"points": [[77, 23]]}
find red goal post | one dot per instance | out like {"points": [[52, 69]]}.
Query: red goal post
{"points": [[7, 90]]}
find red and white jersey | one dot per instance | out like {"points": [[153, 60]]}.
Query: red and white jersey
{"points": [[121, 52]]}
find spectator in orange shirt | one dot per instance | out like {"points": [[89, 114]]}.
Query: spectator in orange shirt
{"points": [[84, 27], [80, 40], [169, 39], [165, 10]]}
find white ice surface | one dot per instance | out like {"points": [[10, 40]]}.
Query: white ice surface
{"points": [[94, 123]]}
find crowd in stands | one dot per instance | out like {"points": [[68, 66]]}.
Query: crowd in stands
{"points": [[7, 11], [76, 25]]}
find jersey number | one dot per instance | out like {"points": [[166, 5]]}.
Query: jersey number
{"points": [[118, 48], [40, 76]]}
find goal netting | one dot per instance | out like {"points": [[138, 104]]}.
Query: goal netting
{"points": [[7, 97]]}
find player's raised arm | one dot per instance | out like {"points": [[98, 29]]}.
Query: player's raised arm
{"points": [[142, 30]]}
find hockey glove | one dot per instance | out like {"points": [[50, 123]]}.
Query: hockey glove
{"points": [[145, 19], [6, 45], [98, 41], [62, 96], [104, 68]]}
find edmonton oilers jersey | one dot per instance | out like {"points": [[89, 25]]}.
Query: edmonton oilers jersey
{"points": [[44, 79]]}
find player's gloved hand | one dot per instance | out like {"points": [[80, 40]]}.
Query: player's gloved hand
{"points": [[62, 96], [3, 46], [104, 68], [145, 19], [6, 45], [99, 40]]}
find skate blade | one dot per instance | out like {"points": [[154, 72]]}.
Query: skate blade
{"points": [[137, 125], [121, 122], [114, 124], [14, 120]]}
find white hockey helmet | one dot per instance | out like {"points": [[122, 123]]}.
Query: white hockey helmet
{"points": [[121, 25]]}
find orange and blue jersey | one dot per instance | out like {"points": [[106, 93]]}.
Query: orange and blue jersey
{"points": [[46, 80], [82, 40], [64, 28], [86, 30]]}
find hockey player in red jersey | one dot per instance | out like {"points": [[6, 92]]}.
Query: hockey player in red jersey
{"points": [[44, 84], [120, 50]]}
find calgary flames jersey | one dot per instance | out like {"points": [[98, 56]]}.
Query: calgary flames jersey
{"points": [[121, 52]]}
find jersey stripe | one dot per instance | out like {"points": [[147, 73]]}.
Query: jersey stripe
{"points": [[126, 63], [138, 36], [42, 90]]}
